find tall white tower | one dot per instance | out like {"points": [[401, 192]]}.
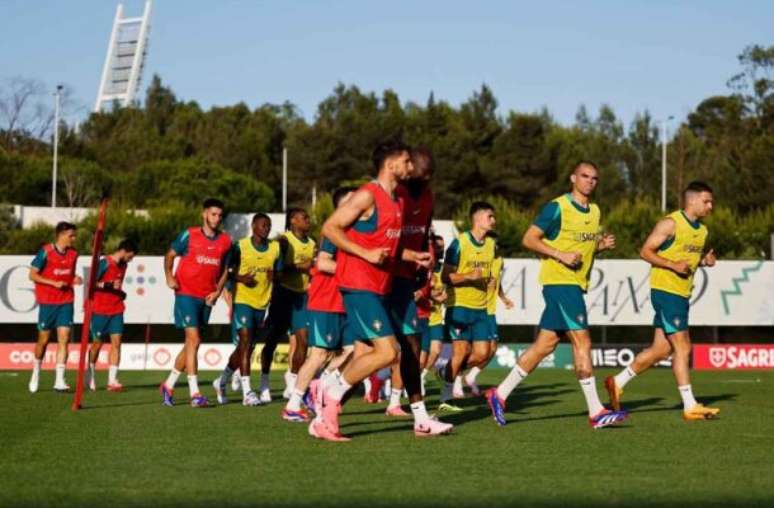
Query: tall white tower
{"points": [[125, 59]]}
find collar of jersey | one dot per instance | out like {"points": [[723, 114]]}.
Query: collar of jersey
{"points": [[213, 237], [474, 241], [304, 240], [260, 247], [60, 252], [577, 205], [694, 224]]}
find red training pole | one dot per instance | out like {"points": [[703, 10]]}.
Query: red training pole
{"points": [[99, 234]]}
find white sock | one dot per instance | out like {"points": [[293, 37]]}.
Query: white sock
{"points": [[423, 374], [420, 412], [294, 404], [60, 373], [367, 385], [290, 380], [686, 392], [193, 385], [172, 378], [511, 381], [113, 374], [446, 391], [589, 387], [395, 398], [264, 381], [624, 377], [246, 388], [36, 366], [90, 373], [330, 379], [338, 388], [470, 378], [458, 384]]}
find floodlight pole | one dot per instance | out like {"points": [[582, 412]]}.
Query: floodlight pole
{"points": [[664, 162], [57, 100], [284, 179]]}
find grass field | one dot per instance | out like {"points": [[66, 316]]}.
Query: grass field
{"points": [[127, 450]]}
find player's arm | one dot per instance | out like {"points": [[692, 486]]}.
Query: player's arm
{"points": [[503, 297], [37, 265], [606, 241], [343, 217], [178, 248], [709, 259], [533, 240], [449, 274], [663, 231]]}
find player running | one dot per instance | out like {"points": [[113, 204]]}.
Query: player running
{"points": [[367, 230], [255, 262], [675, 249], [288, 309], [566, 237], [433, 335], [325, 315], [53, 272], [108, 313], [197, 282]]}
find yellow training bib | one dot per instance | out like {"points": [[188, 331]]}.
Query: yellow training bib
{"points": [[686, 245], [436, 312], [472, 255], [494, 288], [258, 263], [299, 251]]}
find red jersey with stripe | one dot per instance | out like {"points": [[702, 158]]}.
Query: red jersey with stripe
{"points": [[200, 267], [417, 214], [58, 266], [108, 301], [381, 230], [323, 293]]}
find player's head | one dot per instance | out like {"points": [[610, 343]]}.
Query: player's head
{"points": [[296, 219], [482, 216], [394, 157], [64, 232], [261, 226], [439, 246], [423, 162], [212, 212], [585, 177], [126, 250], [341, 194], [697, 199]]}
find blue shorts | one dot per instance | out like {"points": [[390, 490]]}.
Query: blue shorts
{"points": [[103, 324], [287, 313], [467, 324], [347, 333], [565, 308], [246, 317], [403, 307], [433, 333], [367, 316], [191, 312], [325, 329], [52, 316], [424, 337], [671, 311], [494, 334]]}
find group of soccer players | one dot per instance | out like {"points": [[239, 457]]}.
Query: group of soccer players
{"points": [[383, 293]]}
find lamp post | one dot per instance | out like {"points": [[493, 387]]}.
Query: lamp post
{"points": [[664, 162], [57, 100]]}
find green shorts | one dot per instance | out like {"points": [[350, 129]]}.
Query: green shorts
{"points": [[103, 324], [466, 324], [403, 307], [287, 312], [671, 311], [424, 330], [367, 316], [52, 316], [246, 317], [565, 308], [347, 333], [191, 312], [325, 329], [494, 334]]}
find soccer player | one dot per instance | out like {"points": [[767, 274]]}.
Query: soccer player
{"points": [[325, 315], [467, 269], [433, 336], [53, 272], [108, 312], [675, 249], [197, 282], [254, 263], [494, 291], [288, 310], [566, 237], [367, 230]]}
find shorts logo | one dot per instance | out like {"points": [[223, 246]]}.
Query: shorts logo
{"points": [[377, 325], [413, 322], [188, 319], [581, 318], [244, 319], [329, 338], [676, 321], [717, 356], [458, 331]]}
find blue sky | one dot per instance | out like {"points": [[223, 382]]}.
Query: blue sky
{"points": [[632, 55]]}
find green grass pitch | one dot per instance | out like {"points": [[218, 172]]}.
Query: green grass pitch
{"points": [[127, 450]]}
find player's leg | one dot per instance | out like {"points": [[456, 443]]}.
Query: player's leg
{"points": [[94, 350], [44, 334], [681, 346], [62, 342], [114, 360], [293, 411], [659, 350]]}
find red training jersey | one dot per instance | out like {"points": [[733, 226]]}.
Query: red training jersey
{"points": [[417, 214], [381, 230], [200, 266], [58, 266], [323, 293], [108, 301]]}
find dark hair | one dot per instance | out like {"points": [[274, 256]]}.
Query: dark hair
{"points": [[292, 212], [213, 202], [260, 215], [128, 245], [385, 150], [423, 156], [339, 194], [63, 226], [585, 162], [477, 206], [697, 186]]}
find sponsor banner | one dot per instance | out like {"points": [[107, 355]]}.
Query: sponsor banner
{"points": [[20, 356], [620, 356], [733, 293], [507, 354], [733, 356]]}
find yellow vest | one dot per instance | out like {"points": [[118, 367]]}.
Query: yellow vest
{"points": [[687, 245], [298, 252], [493, 290], [259, 264], [472, 255], [579, 232], [436, 312]]}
